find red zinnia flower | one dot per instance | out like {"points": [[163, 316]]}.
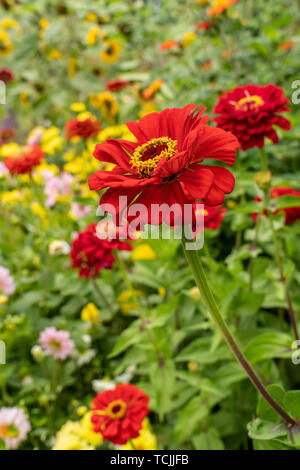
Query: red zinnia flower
{"points": [[119, 413], [25, 159], [116, 84], [6, 135], [90, 253], [213, 216], [203, 25], [165, 165], [6, 75], [169, 44], [250, 112], [291, 213], [85, 129]]}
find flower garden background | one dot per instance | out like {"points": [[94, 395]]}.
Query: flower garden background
{"points": [[117, 343]]}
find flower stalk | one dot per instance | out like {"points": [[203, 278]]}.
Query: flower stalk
{"points": [[195, 264]]}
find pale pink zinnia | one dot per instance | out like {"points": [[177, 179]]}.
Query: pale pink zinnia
{"points": [[7, 285], [14, 427], [56, 342], [79, 210], [57, 186]]}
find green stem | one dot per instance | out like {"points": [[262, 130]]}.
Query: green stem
{"points": [[200, 279], [264, 159]]}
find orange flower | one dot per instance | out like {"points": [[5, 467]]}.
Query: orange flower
{"points": [[153, 88], [287, 45], [168, 44], [207, 65], [219, 6]]}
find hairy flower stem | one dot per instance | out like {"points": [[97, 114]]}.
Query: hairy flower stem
{"points": [[280, 266], [160, 358], [195, 264]]}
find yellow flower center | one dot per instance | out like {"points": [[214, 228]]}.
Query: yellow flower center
{"points": [[147, 156], [249, 103], [116, 409], [8, 431]]}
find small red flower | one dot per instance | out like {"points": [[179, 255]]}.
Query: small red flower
{"points": [[168, 45], [25, 159], [291, 213], [213, 216], [84, 129], [116, 84], [203, 25], [251, 112], [119, 413], [90, 253], [6, 75], [6, 135], [166, 164]]}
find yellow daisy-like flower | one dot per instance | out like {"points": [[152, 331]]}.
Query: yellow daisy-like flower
{"points": [[145, 441], [91, 17], [51, 141], [188, 39], [72, 67], [90, 313], [70, 438], [55, 54], [13, 196], [93, 438], [120, 131], [147, 108], [44, 23], [106, 103], [9, 23], [111, 51], [10, 149], [3, 299], [78, 107], [143, 251], [123, 298], [6, 46], [92, 35]]}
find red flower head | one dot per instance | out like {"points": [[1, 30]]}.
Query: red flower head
{"points": [[90, 253], [6, 75], [168, 45], [213, 216], [291, 213], [203, 25], [84, 129], [219, 6], [25, 159], [119, 413], [6, 135], [166, 164], [250, 113], [116, 84]]}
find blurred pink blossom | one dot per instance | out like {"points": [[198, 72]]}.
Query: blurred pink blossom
{"points": [[79, 210], [14, 427], [56, 342], [7, 285], [56, 186]]}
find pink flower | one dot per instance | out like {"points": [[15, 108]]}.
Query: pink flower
{"points": [[3, 169], [79, 210], [56, 342], [14, 426], [57, 186], [7, 285]]}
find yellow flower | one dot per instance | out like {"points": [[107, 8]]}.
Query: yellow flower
{"points": [[145, 441], [147, 108], [192, 366], [92, 35], [162, 291], [8, 150], [55, 54], [72, 68], [3, 299], [40, 169], [106, 103], [188, 39], [51, 141], [81, 410], [90, 313], [143, 251], [195, 294], [78, 107], [231, 204], [93, 438], [24, 99], [44, 23], [13, 196], [6, 46], [40, 211], [112, 50], [120, 131], [9, 23], [70, 437], [91, 17], [126, 307]]}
